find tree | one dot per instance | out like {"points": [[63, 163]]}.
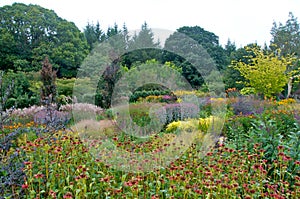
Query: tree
{"points": [[145, 37], [112, 31], [48, 77], [29, 33], [265, 71], [232, 76], [93, 34], [192, 57], [209, 41], [287, 39], [230, 49], [141, 47]]}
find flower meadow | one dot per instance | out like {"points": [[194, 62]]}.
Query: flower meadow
{"points": [[256, 155]]}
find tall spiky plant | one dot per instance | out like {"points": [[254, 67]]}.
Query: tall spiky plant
{"points": [[48, 77]]}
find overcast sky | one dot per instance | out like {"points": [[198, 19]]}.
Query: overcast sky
{"points": [[242, 21]]}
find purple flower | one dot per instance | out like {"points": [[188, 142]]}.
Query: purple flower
{"points": [[166, 97]]}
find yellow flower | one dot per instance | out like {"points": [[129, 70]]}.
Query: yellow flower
{"points": [[287, 101], [179, 100], [173, 126]]}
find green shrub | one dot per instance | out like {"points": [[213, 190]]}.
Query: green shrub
{"points": [[143, 94], [10, 103]]}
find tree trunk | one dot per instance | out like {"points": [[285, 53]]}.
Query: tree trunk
{"points": [[290, 84]]}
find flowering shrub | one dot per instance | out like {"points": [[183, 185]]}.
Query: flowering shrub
{"points": [[232, 92], [202, 124], [173, 126], [53, 116], [176, 112], [158, 98], [189, 125], [64, 169], [82, 107], [258, 157], [181, 93], [27, 114], [248, 106], [42, 115], [82, 111], [12, 157], [168, 98], [143, 94], [151, 98], [286, 101]]}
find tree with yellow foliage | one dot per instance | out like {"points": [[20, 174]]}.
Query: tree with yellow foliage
{"points": [[265, 72]]}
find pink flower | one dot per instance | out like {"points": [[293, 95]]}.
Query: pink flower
{"points": [[68, 195], [24, 186]]}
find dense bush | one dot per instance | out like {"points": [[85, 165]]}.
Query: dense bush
{"points": [[65, 86], [143, 94], [23, 94]]}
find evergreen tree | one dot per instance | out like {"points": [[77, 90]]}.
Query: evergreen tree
{"points": [[93, 34], [286, 37]]}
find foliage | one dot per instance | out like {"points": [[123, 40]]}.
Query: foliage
{"points": [[232, 173], [12, 176], [65, 86], [232, 76], [177, 112], [144, 94], [266, 73], [30, 32], [286, 36], [141, 47], [209, 41], [21, 94], [93, 34], [260, 159], [4, 94], [248, 106], [48, 77], [248, 91], [202, 124]]}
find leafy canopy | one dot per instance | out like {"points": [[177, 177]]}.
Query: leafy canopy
{"points": [[265, 71], [29, 33]]}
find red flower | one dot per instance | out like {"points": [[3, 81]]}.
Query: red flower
{"points": [[38, 175], [280, 147], [128, 184], [52, 194], [198, 191], [280, 154], [24, 186], [27, 163]]}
